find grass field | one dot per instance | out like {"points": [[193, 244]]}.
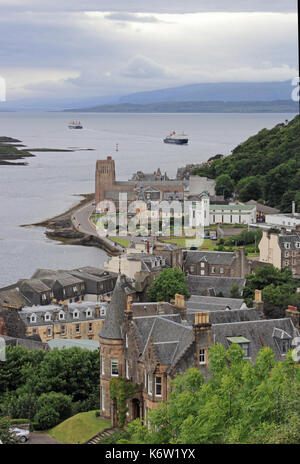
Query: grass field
{"points": [[122, 241], [79, 428]]}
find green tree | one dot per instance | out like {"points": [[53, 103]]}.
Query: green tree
{"points": [[168, 283], [235, 291], [224, 185]]}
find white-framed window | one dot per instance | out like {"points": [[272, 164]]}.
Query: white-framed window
{"points": [[221, 270], [149, 384], [202, 264], [47, 317], [44, 297], [114, 367], [192, 268], [77, 328], [158, 386], [127, 368], [202, 272], [102, 365], [33, 318], [145, 380], [61, 316], [49, 331], [297, 244], [75, 314], [90, 327], [287, 245], [213, 270], [88, 313], [63, 330], [202, 356], [102, 398], [126, 340]]}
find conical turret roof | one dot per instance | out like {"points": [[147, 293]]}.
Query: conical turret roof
{"points": [[115, 311]]}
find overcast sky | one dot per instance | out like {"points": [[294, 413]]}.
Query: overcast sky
{"points": [[97, 48]]}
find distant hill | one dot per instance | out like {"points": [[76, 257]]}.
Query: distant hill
{"points": [[278, 106], [265, 167], [218, 91]]}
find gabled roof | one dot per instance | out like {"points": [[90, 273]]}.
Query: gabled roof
{"points": [[211, 257], [200, 285], [115, 311]]}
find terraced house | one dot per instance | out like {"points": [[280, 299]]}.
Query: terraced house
{"points": [[219, 264], [149, 343], [68, 321]]}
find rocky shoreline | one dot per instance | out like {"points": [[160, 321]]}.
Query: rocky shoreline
{"points": [[60, 228]]}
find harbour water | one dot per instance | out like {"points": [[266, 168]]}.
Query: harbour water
{"points": [[48, 185]]}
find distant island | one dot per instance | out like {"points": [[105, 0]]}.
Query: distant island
{"points": [[276, 106]]}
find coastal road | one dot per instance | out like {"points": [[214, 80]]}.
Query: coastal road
{"points": [[81, 221]]}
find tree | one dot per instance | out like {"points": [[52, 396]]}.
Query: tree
{"points": [[168, 283], [224, 185], [250, 188], [46, 418], [5, 436], [235, 291]]}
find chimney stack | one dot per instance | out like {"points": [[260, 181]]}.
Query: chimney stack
{"points": [[97, 311], [258, 302], [202, 328], [293, 313], [179, 304], [293, 208]]}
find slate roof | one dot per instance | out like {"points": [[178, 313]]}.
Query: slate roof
{"points": [[263, 208], [40, 312], [36, 284], [50, 276], [115, 311], [259, 333], [224, 258], [226, 317], [289, 238], [198, 285], [168, 335], [211, 303]]}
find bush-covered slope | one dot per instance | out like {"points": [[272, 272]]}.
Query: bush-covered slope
{"points": [[264, 167]]}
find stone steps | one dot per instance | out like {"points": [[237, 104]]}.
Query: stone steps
{"points": [[105, 433]]}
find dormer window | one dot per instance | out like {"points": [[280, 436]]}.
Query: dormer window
{"points": [[61, 316], [297, 244], [47, 317], [287, 245], [75, 315], [33, 318], [243, 342], [88, 313], [283, 340]]}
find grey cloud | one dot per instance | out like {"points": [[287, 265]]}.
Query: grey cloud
{"points": [[141, 67], [153, 6], [131, 17]]}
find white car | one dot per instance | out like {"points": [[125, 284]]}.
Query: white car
{"points": [[21, 434]]}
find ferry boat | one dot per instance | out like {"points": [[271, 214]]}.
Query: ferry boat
{"points": [[179, 139], [75, 125]]}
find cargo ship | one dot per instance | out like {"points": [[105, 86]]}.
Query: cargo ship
{"points": [[75, 125], [179, 139]]}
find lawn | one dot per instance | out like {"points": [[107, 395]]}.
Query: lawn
{"points": [[122, 241], [182, 242], [79, 428]]}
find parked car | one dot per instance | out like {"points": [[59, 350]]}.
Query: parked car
{"points": [[21, 434]]}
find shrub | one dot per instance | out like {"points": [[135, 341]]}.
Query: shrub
{"points": [[46, 418]]}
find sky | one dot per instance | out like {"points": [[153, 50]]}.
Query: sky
{"points": [[63, 48]]}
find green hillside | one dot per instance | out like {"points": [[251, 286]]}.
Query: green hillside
{"points": [[265, 167]]}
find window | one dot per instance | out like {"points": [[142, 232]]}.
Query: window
{"points": [[47, 317], [285, 345], [202, 272], [287, 245], [213, 269], [297, 244], [127, 368], [287, 254], [61, 316], [126, 341], [90, 327], [75, 314], [149, 384], [202, 264], [88, 313], [192, 268], [243, 342], [114, 367], [102, 399], [49, 331], [102, 365], [202, 356], [145, 380], [221, 270], [33, 318], [158, 386], [63, 330], [77, 328]]}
